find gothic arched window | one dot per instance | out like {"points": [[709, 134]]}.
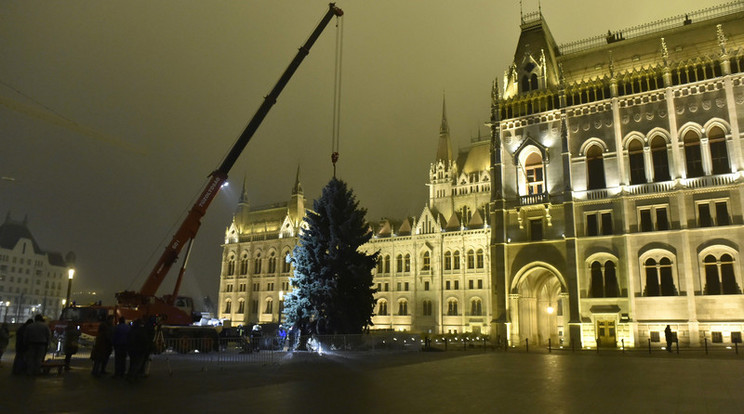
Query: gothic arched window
{"points": [[637, 166], [718, 151], [660, 159], [693, 155], [595, 174], [720, 276]]}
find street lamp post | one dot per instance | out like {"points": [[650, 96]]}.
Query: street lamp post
{"points": [[70, 275], [7, 306]]}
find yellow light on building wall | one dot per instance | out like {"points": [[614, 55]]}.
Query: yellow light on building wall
{"points": [[550, 310]]}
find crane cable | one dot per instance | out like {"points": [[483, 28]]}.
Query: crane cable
{"points": [[337, 92]]}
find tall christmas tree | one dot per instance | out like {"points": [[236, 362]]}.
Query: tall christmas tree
{"points": [[332, 284]]}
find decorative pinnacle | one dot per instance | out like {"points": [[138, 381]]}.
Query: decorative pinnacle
{"points": [[664, 52], [721, 38], [444, 128], [612, 66]]}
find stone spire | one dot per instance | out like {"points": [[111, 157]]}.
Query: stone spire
{"points": [[243, 194], [297, 189], [296, 206], [444, 150]]}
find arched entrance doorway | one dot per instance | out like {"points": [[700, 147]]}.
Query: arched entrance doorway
{"points": [[538, 302]]}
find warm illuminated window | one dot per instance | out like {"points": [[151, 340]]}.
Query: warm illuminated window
{"points": [[479, 259], [456, 260], [533, 170], [399, 263], [407, 263], [471, 259], [447, 261], [595, 174], [426, 261]]}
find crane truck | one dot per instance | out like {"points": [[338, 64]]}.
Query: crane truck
{"points": [[176, 313]]}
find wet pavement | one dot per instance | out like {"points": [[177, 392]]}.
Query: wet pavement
{"points": [[410, 382]]}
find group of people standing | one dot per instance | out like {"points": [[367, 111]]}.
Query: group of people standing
{"points": [[125, 340], [32, 341]]}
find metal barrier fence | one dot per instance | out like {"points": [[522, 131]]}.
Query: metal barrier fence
{"points": [[208, 353]]}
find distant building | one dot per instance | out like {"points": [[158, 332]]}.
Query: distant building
{"points": [[31, 279], [605, 205]]}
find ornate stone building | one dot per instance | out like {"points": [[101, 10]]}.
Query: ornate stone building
{"points": [[606, 205], [32, 280]]}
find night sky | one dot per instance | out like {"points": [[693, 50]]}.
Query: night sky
{"points": [[112, 114]]}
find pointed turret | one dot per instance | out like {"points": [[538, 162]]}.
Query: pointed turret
{"points": [[240, 219], [444, 150], [296, 207], [297, 189], [535, 60]]}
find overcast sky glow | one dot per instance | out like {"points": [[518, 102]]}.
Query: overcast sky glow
{"points": [[113, 113]]}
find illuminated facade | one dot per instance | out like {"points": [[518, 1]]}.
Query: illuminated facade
{"points": [[618, 172], [605, 205], [31, 280]]}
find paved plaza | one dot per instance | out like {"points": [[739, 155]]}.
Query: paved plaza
{"points": [[409, 382]]}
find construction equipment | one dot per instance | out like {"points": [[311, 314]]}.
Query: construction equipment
{"points": [[178, 310]]}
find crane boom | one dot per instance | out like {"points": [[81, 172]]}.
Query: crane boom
{"points": [[192, 222]]}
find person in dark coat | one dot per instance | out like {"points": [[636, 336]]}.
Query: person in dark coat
{"points": [[102, 347], [36, 336], [137, 347], [19, 363], [120, 347], [669, 336], [70, 343], [4, 339]]}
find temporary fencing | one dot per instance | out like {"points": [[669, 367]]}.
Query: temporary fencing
{"points": [[181, 354]]}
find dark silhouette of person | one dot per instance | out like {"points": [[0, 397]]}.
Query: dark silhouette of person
{"points": [[70, 344], [4, 339], [37, 337], [120, 347], [137, 347], [102, 347], [19, 363], [669, 336]]}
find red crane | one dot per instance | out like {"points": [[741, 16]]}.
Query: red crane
{"points": [[174, 309]]}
